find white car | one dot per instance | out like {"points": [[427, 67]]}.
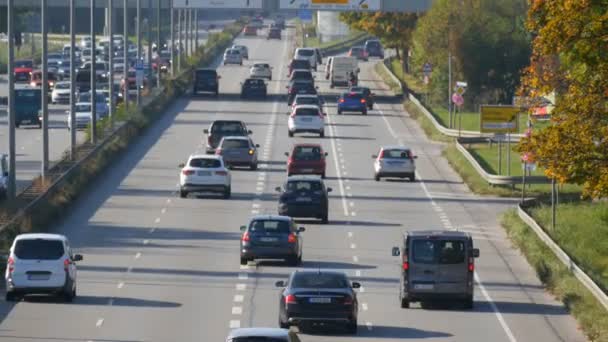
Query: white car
{"points": [[307, 99], [61, 93], [41, 264], [307, 53], [85, 42], [261, 70], [233, 56], [243, 49], [83, 116], [307, 119], [202, 173], [395, 161]]}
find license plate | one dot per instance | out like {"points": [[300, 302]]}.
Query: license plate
{"points": [[424, 286], [38, 277], [303, 199], [268, 239], [203, 173], [307, 170], [320, 300], [306, 119]]}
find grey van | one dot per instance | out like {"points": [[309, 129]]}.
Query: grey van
{"points": [[436, 265]]}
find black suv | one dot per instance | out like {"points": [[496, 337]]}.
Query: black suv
{"points": [[304, 196], [206, 80], [253, 87], [224, 128], [296, 87], [374, 48]]}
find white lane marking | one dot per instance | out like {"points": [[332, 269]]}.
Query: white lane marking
{"points": [[349, 195], [237, 310], [120, 285], [168, 200], [163, 210], [238, 298], [369, 326], [255, 212], [350, 234], [364, 306], [137, 255], [499, 316], [146, 242], [362, 289], [336, 164], [355, 258], [157, 220], [129, 269], [260, 183], [348, 187], [353, 246], [244, 267], [353, 213], [352, 204], [99, 323], [485, 293], [235, 324], [241, 287], [259, 188], [243, 276], [357, 273]]}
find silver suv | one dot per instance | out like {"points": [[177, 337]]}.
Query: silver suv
{"points": [[436, 265], [41, 264]]}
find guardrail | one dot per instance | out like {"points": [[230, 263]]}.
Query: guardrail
{"points": [[346, 44], [595, 290]]}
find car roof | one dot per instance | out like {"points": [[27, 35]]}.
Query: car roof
{"points": [[205, 156], [271, 217], [45, 236], [259, 332], [304, 106], [307, 95], [437, 233], [319, 271], [305, 178], [395, 147], [235, 137], [307, 145], [226, 121]]}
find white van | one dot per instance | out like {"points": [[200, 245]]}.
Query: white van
{"points": [[340, 69], [307, 53]]}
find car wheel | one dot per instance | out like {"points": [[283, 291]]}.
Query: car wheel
{"points": [[253, 167], [183, 194], [10, 296], [377, 178], [323, 175], [352, 327], [244, 261], [68, 296], [364, 112], [412, 178], [322, 134], [325, 219], [290, 134], [283, 325], [270, 78], [405, 303], [469, 303], [227, 193], [339, 112]]}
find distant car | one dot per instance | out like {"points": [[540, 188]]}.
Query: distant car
{"points": [[224, 128], [253, 87], [274, 33], [436, 264], [271, 237], [358, 52], [299, 63], [304, 196], [374, 48], [204, 173], [250, 30], [352, 102], [261, 70], [318, 296], [206, 80], [304, 99], [28, 105], [367, 95], [64, 69], [394, 161], [243, 50], [306, 119], [232, 56], [36, 79], [309, 53], [306, 159], [61, 93], [82, 114], [23, 69], [298, 87], [262, 334], [238, 151], [41, 264]]}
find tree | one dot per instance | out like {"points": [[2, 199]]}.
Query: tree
{"points": [[570, 57]]}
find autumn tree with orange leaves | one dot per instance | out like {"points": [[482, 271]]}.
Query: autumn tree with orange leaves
{"points": [[570, 58]]}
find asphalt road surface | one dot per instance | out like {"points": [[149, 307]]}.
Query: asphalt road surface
{"points": [[161, 268]]}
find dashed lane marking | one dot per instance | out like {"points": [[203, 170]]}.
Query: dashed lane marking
{"points": [[237, 310], [355, 258], [241, 287], [99, 323], [120, 285], [137, 255], [238, 298], [163, 210], [353, 246], [157, 220], [145, 242], [364, 306], [358, 273], [350, 234], [235, 324]]}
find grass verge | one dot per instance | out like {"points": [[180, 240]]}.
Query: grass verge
{"points": [[591, 316]]}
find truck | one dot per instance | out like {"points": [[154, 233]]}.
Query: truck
{"points": [[339, 72], [28, 104]]}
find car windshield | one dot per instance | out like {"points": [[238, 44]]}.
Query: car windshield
{"points": [[306, 53], [439, 251], [227, 128], [307, 153], [206, 74], [269, 226], [24, 64], [255, 82], [319, 280], [235, 143], [39, 249], [302, 75], [303, 186], [205, 163], [83, 108], [233, 52], [261, 66], [373, 44], [307, 112], [62, 86], [396, 154], [353, 96]]}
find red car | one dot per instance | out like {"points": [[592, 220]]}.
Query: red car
{"points": [[306, 159], [250, 30], [23, 68], [36, 79]]}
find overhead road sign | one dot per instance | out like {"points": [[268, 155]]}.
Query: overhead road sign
{"points": [[499, 119], [305, 15], [219, 4], [332, 5]]}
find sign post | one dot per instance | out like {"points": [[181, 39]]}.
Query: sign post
{"points": [[501, 120], [427, 69], [459, 90]]}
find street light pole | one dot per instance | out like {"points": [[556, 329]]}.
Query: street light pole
{"points": [[125, 54], [93, 78], [149, 21], [172, 33], [72, 79], [179, 40], [11, 186], [111, 62], [187, 32], [45, 91], [139, 57], [196, 29], [158, 43]]}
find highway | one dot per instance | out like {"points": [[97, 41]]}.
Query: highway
{"points": [[29, 138], [161, 268]]}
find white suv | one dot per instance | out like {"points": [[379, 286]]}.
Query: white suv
{"points": [[395, 161], [306, 118], [261, 70], [204, 173], [307, 53], [41, 264]]}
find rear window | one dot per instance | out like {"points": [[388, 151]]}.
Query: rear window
{"points": [[235, 143], [227, 128], [354, 95], [307, 112], [269, 226], [83, 108], [302, 74], [39, 249], [356, 50], [439, 251], [299, 63], [303, 186], [307, 153], [259, 65], [62, 86], [319, 280], [306, 53], [206, 73], [205, 163], [396, 154], [256, 82]]}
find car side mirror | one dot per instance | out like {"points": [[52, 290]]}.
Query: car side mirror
{"points": [[181, 165], [77, 257], [374, 156], [396, 251], [356, 285], [278, 189], [415, 157], [219, 77], [301, 229], [242, 228], [316, 87], [475, 252], [279, 283], [249, 132], [286, 154], [329, 189], [206, 131], [257, 145], [5, 174]]}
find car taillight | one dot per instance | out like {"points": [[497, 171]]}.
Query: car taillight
{"points": [[221, 173], [218, 151], [292, 238], [245, 237], [33, 84], [209, 141], [11, 265], [362, 100], [291, 299], [348, 301], [341, 100], [292, 90], [188, 172], [406, 265], [471, 265], [381, 155], [66, 265]]}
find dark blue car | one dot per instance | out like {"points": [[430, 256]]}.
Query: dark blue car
{"points": [[352, 102]]}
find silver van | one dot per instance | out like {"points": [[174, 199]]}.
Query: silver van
{"points": [[436, 265]]}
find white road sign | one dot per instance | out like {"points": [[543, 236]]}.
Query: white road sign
{"points": [[332, 5], [254, 4]]}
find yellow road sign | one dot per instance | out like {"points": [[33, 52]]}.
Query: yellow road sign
{"points": [[499, 119]]}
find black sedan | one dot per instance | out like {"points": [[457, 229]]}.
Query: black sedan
{"points": [[304, 196], [296, 87], [367, 95], [253, 87], [321, 297], [271, 237]]}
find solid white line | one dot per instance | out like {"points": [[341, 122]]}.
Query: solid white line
{"points": [[99, 323], [238, 298], [237, 310], [499, 316], [137, 255], [364, 306], [335, 158], [235, 324]]}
